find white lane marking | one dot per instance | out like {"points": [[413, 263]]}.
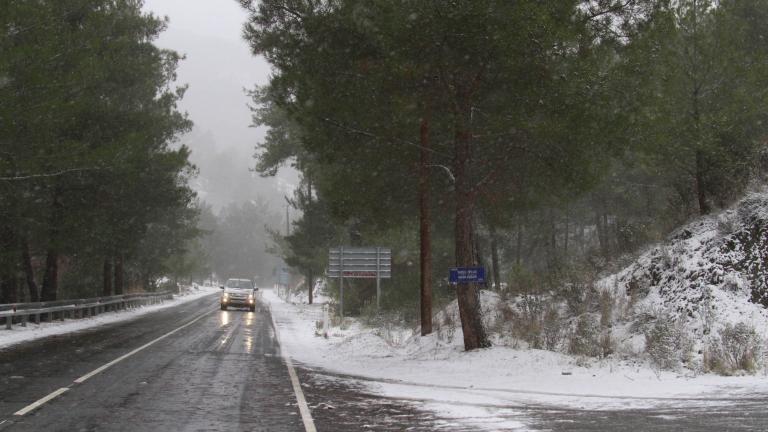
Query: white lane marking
{"points": [[125, 356], [39, 402], [306, 416]]}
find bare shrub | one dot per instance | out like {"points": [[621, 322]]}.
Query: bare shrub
{"points": [[579, 298], [505, 315], [584, 338], [552, 328], [738, 348], [607, 343], [666, 344], [449, 327], [527, 324]]}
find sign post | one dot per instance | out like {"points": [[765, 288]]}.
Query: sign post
{"points": [[359, 263], [378, 278]]}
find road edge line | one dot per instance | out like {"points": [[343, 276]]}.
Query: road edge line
{"points": [[306, 415], [42, 401]]}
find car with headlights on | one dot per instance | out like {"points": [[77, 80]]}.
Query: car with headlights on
{"points": [[239, 293]]}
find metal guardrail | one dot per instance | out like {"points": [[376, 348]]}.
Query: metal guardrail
{"points": [[75, 308]]}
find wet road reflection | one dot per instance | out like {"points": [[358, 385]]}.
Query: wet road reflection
{"points": [[248, 333], [224, 373]]}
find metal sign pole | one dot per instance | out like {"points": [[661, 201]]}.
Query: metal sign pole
{"points": [[341, 281], [378, 278]]}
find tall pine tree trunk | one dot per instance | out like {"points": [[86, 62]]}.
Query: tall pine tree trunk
{"points": [[29, 272], [495, 256], [9, 270], [519, 243], [107, 275], [701, 192], [308, 216], [425, 221], [601, 234], [50, 288], [467, 294], [51, 278], [9, 289], [119, 275]]}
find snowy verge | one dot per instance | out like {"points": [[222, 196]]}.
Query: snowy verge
{"points": [[401, 364], [33, 331]]}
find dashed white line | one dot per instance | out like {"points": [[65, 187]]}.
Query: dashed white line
{"points": [[125, 356], [41, 401], [98, 370]]}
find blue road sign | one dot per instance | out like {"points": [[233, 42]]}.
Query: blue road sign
{"points": [[467, 275]]}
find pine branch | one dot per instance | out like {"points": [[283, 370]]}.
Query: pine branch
{"points": [[47, 175]]}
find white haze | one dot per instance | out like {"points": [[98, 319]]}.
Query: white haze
{"points": [[218, 68]]}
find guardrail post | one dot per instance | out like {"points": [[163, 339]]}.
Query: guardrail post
{"points": [[8, 322], [37, 319], [24, 320]]}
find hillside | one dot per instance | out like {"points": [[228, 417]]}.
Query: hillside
{"points": [[711, 273]]}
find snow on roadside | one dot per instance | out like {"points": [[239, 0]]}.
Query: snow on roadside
{"points": [[488, 384], [19, 334], [709, 273]]}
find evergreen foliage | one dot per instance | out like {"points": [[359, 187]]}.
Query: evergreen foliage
{"points": [[562, 134], [92, 186]]}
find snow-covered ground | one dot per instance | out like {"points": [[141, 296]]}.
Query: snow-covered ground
{"points": [[32, 331], [484, 387]]}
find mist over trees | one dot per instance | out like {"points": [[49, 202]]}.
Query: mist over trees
{"points": [[224, 176], [97, 191], [541, 139], [94, 193], [237, 240]]}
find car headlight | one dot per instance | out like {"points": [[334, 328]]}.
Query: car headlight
{"points": [[226, 297]]}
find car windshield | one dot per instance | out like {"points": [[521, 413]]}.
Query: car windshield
{"points": [[239, 284]]}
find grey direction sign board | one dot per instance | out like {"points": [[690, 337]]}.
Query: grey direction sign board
{"points": [[360, 262]]}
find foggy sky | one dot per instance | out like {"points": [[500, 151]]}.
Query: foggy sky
{"points": [[218, 68]]}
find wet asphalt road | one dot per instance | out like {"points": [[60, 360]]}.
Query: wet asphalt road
{"points": [[224, 373], [221, 373]]}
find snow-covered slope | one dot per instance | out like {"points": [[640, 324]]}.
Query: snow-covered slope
{"points": [[710, 273]]}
